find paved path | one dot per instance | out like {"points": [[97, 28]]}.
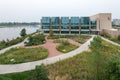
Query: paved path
{"points": [[51, 46], [110, 41], [31, 65], [17, 45]]}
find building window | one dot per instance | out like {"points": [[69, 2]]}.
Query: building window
{"points": [[74, 22]]}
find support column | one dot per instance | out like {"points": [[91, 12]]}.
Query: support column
{"points": [[69, 26], [60, 25], [79, 26], [90, 27]]}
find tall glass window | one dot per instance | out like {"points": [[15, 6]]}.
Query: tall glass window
{"points": [[64, 22], [74, 22], [93, 24], [46, 22], [55, 22], [84, 22]]}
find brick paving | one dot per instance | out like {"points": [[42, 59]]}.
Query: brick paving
{"points": [[51, 46]]}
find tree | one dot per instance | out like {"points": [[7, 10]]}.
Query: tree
{"points": [[51, 32], [40, 73], [35, 40], [23, 32]]}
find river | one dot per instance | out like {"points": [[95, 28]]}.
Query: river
{"points": [[13, 32]]}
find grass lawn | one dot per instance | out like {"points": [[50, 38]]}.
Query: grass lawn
{"points": [[16, 76], [114, 39], [78, 38], [75, 68], [65, 46], [21, 55]]}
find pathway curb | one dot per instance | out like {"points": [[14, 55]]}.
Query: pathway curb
{"points": [[114, 43]]}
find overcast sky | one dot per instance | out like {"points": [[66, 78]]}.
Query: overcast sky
{"points": [[33, 10]]}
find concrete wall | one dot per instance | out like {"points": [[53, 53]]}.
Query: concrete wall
{"points": [[113, 33], [104, 20]]}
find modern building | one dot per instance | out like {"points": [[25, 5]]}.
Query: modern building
{"points": [[77, 25]]}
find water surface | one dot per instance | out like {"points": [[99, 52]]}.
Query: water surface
{"points": [[13, 32]]}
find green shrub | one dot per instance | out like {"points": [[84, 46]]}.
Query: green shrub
{"points": [[51, 33], [40, 73], [35, 40], [64, 42], [115, 39], [7, 43], [113, 68], [78, 38], [106, 35], [65, 47], [23, 32], [96, 61], [119, 37]]}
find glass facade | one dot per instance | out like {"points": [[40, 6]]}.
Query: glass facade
{"points": [[64, 22], [84, 22], [64, 25], [93, 24], [45, 22], [55, 22], [74, 22]]}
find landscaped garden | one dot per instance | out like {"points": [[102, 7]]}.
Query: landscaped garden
{"points": [[64, 46], [78, 38], [102, 62], [21, 55], [35, 40]]}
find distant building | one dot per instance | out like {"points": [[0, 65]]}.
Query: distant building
{"points": [[77, 25], [116, 21]]}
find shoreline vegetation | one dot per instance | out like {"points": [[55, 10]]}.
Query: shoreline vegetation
{"points": [[8, 43], [13, 24]]}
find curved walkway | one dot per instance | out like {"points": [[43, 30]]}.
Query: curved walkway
{"points": [[31, 65], [17, 45], [51, 47], [110, 41]]}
